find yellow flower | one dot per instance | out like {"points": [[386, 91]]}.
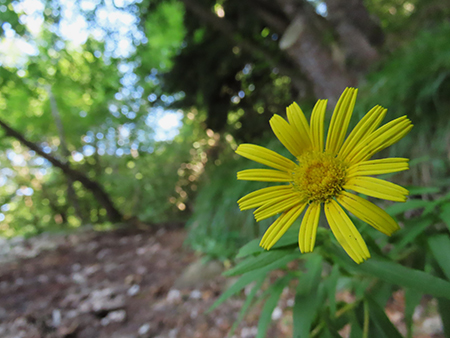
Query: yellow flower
{"points": [[323, 174]]}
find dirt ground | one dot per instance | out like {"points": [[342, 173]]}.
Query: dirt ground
{"points": [[125, 284], [115, 284]]}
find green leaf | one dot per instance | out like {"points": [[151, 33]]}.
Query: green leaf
{"points": [[412, 299], [330, 331], [381, 321], [381, 293], [396, 274], [247, 304], [411, 204], [409, 278], [440, 248], [252, 247], [444, 311], [409, 233], [445, 214], [423, 190], [356, 330], [266, 314], [308, 297], [331, 284], [235, 288], [262, 260]]}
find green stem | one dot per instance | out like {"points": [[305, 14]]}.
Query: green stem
{"points": [[366, 320]]}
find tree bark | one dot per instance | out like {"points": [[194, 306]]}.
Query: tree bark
{"points": [[99, 193], [358, 33], [302, 41]]}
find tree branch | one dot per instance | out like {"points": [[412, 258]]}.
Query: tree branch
{"points": [[227, 29], [102, 197]]}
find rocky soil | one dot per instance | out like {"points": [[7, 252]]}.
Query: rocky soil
{"points": [[132, 284]]}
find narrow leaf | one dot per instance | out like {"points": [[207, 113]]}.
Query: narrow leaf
{"points": [[247, 304], [399, 208], [266, 314], [265, 259], [331, 285], [445, 214], [444, 311], [409, 234], [235, 288], [409, 278], [252, 247], [412, 299], [440, 248], [308, 297], [382, 322]]}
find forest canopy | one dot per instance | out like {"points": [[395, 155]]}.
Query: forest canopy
{"points": [[97, 96]]}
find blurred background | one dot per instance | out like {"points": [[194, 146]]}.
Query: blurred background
{"points": [[118, 124]]}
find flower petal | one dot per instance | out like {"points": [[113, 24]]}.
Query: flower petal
{"points": [[367, 125], [265, 156], [308, 228], [317, 121], [378, 188], [345, 232], [264, 175], [368, 212], [381, 138], [298, 120], [340, 120], [259, 197], [287, 135], [280, 226], [378, 167], [276, 206]]}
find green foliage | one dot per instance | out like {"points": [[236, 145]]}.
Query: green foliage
{"points": [[410, 266], [415, 81], [102, 102], [217, 226]]}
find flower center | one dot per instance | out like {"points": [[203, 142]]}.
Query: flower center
{"points": [[318, 176]]}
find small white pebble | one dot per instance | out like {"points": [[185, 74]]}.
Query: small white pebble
{"points": [[277, 313], [173, 295], [195, 294], [133, 290], [144, 329]]}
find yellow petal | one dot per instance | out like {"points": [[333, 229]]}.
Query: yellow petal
{"points": [[287, 135], [345, 232], [262, 196], [298, 120], [280, 226], [277, 205], [368, 212], [317, 121], [340, 120], [378, 188], [264, 175], [265, 156], [381, 138], [378, 167], [308, 228], [367, 125]]}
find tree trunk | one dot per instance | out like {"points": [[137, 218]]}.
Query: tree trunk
{"points": [[358, 33], [102, 197], [302, 41]]}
